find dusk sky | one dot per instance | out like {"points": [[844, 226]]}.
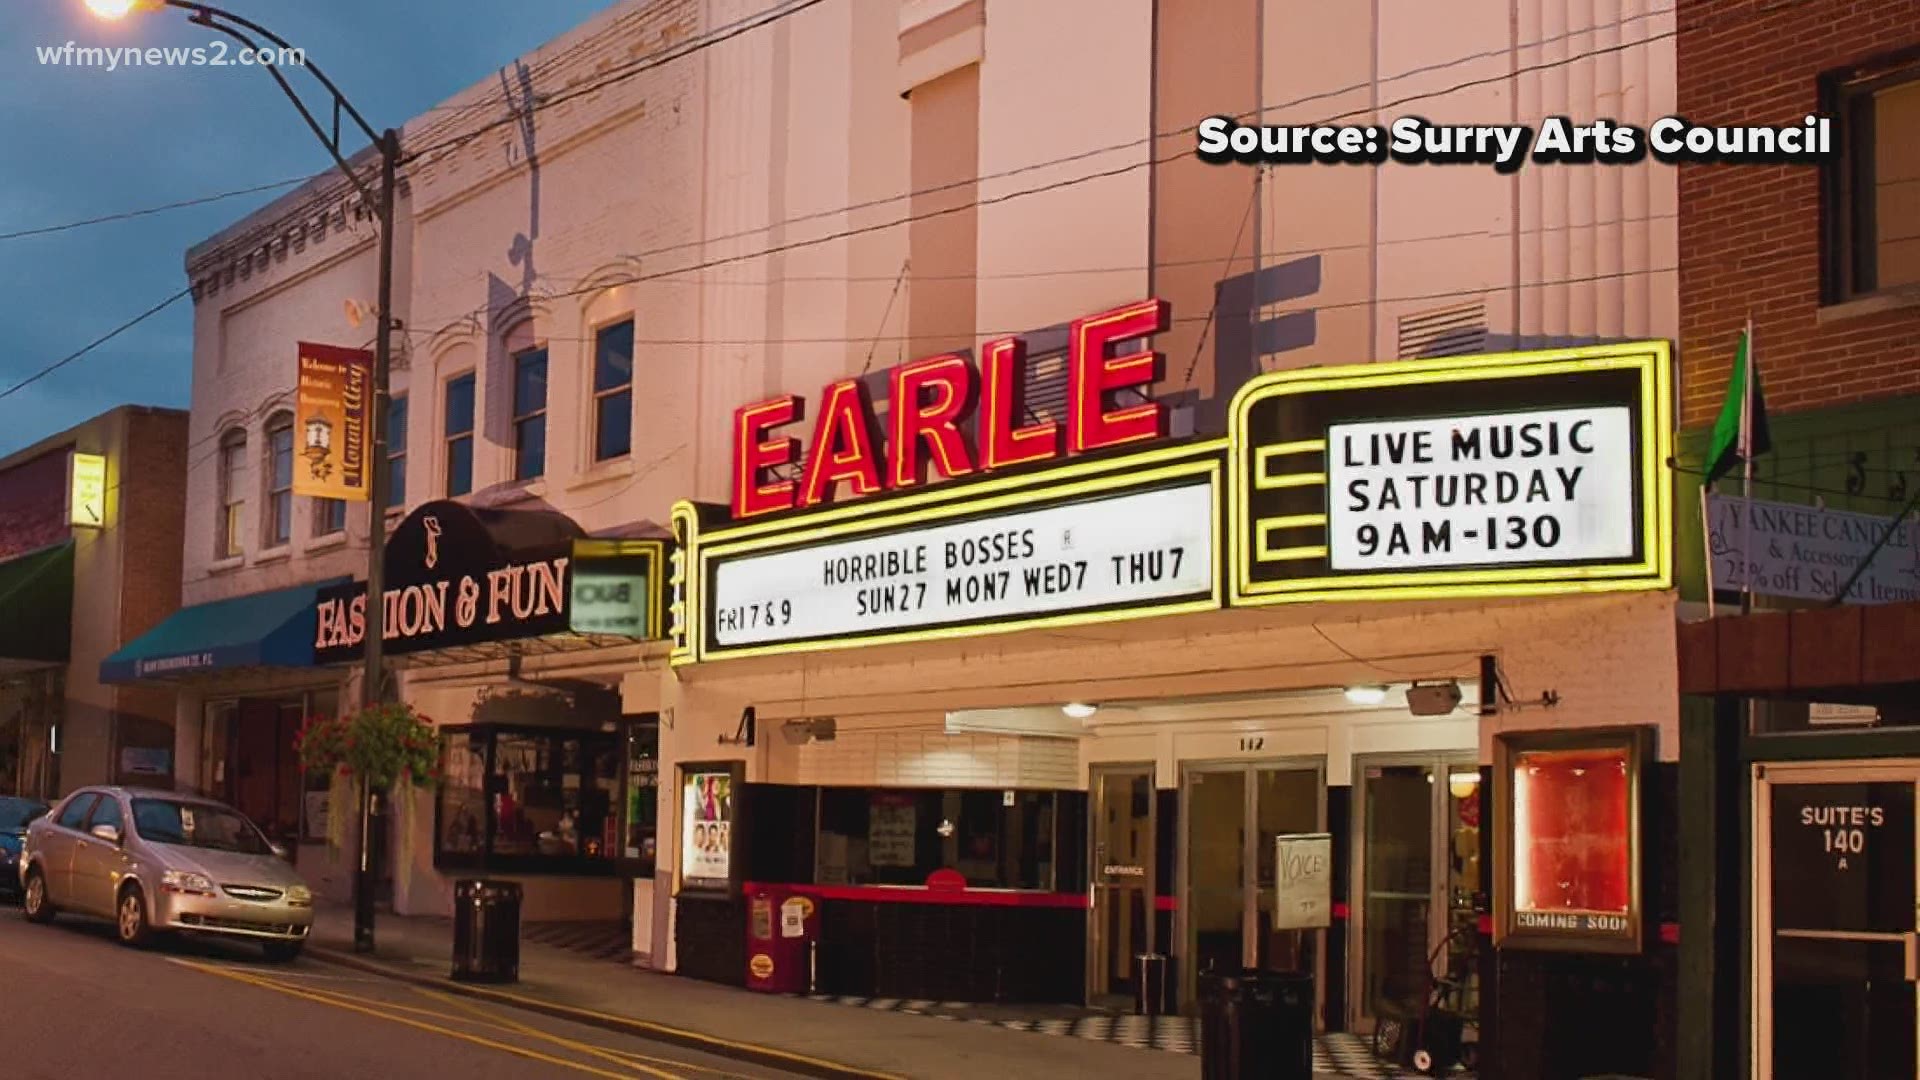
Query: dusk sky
{"points": [[85, 142]]}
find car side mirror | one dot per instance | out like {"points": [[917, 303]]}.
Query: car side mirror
{"points": [[280, 850], [109, 833]]}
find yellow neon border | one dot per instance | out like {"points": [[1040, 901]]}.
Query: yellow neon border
{"points": [[1065, 483], [1654, 571], [686, 521]]}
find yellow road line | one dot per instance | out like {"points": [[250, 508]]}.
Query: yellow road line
{"points": [[624, 1054], [448, 1032], [526, 1029], [631, 1024]]}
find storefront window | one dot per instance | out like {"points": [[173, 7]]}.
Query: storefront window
{"points": [[993, 839], [215, 731], [528, 799], [643, 787]]}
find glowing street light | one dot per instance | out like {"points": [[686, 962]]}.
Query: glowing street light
{"points": [[119, 9]]}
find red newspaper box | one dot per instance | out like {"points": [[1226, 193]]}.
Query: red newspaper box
{"points": [[782, 926]]}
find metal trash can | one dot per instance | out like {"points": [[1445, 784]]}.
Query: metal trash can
{"points": [[1256, 1024], [486, 931], [1149, 984]]}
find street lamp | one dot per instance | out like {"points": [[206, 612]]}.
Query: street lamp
{"points": [[388, 144]]}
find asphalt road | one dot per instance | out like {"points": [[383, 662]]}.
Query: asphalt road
{"points": [[75, 1003]]}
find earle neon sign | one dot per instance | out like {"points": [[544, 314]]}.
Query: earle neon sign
{"points": [[928, 402]]}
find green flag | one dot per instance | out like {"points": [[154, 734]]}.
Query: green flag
{"points": [[1740, 434]]}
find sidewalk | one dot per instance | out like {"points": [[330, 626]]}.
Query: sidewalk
{"points": [[811, 1036]]}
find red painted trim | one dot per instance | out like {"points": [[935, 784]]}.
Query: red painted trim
{"points": [[1165, 903], [913, 894]]}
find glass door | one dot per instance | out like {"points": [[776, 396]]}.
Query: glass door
{"points": [[1123, 878], [1417, 867], [1231, 815], [1837, 918]]}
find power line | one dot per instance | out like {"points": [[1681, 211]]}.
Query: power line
{"points": [[95, 343], [126, 215]]}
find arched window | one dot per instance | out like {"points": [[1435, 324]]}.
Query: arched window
{"points": [[233, 500], [279, 479]]}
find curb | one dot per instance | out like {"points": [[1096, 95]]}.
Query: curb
{"points": [[691, 1040]]}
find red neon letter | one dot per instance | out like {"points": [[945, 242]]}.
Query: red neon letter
{"points": [[1007, 444], [914, 419], [753, 453], [844, 446], [1092, 375]]}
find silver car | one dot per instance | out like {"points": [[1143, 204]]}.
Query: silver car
{"points": [[162, 861]]}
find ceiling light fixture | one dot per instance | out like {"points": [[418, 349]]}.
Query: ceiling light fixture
{"points": [[1366, 695], [1079, 710]]}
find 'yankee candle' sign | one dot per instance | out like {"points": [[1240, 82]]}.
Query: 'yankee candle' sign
{"points": [[1137, 548], [1555, 484]]}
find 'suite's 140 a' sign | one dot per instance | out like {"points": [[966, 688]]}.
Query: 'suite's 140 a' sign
{"points": [[930, 399]]}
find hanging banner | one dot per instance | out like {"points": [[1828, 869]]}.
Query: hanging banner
{"points": [[1809, 553], [334, 433]]}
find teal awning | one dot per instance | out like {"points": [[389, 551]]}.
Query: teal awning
{"points": [[256, 630], [36, 607]]}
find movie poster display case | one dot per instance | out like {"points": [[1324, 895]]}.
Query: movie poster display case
{"points": [[1568, 839]]}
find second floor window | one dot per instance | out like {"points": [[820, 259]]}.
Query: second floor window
{"points": [[329, 516], [530, 414], [396, 451], [279, 480], [613, 391], [233, 457], [459, 435], [1873, 194]]}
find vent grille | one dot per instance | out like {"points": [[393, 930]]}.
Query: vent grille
{"points": [[1460, 330]]}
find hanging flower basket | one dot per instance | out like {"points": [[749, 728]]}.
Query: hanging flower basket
{"points": [[389, 748]]}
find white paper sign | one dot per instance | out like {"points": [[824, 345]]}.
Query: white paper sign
{"points": [[1126, 549], [891, 828], [1805, 552], [1548, 486], [1303, 881]]}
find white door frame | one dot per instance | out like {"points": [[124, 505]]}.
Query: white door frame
{"points": [[1765, 775]]}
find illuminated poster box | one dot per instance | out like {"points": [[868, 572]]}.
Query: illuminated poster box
{"points": [[1517, 474], [709, 793], [1567, 839]]}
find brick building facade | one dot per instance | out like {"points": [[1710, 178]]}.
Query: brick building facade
{"points": [[72, 593], [1762, 240]]}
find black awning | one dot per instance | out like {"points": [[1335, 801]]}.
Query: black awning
{"points": [[462, 581]]}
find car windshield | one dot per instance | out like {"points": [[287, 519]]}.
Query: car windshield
{"points": [[202, 825], [18, 813]]}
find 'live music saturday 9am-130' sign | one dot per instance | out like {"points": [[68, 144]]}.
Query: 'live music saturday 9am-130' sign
{"points": [[1107, 535], [459, 576], [1525, 473]]}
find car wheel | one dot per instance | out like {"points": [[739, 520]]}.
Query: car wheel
{"points": [[130, 918], [282, 952], [38, 908]]}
